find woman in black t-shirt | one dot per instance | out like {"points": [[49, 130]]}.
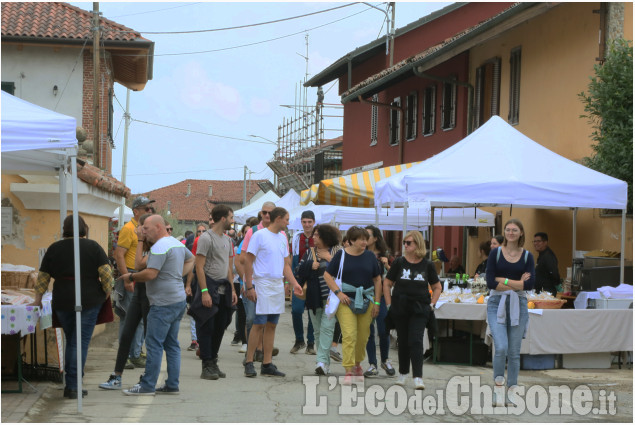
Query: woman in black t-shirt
{"points": [[409, 304], [96, 283]]}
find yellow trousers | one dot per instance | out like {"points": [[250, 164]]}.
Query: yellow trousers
{"points": [[355, 333]]}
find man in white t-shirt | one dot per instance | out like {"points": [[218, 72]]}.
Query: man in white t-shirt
{"points": [[268, 262]]}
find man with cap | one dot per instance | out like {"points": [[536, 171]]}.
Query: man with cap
{"points": [[125, 254], [301, 243]]}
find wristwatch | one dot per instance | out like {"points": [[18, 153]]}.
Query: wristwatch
{"points": [[337, 291]]}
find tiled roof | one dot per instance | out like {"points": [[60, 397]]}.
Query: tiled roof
{"points": [[57, 20], [192, 207], [98, 178]]}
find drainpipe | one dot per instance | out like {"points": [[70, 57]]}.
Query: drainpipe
{"points": [[470, 93], [401, 120]]}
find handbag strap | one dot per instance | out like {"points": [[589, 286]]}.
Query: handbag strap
{"points": [[339, 272], [313, 254]]}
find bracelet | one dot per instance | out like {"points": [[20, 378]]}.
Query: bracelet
{"points": [[377, 303], [203, 290], [249, 289], [506, 280], [131, 279]]}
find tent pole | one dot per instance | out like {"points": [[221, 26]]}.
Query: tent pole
{"points": [[623, 246], [63, 206], [78, 295], [575, 233], [431, 232]]}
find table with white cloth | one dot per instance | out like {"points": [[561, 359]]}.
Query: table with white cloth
{"points": [[21, 320]]}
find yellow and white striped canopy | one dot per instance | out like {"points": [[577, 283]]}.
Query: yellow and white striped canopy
{"points": [[355, 190]]}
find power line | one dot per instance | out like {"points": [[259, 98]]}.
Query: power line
{"points": [[201, 132], [246, 45], [70, 74], [188, 171], [240, 26], [152, 11]]}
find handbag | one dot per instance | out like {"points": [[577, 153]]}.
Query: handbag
{"points": [[333, 302], [362, 309], [304, 287]]}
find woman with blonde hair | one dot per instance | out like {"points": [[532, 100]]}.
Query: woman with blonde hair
{"points": [[410, 304]]}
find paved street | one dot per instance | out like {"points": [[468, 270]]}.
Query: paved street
{"points": [[240, 399]]}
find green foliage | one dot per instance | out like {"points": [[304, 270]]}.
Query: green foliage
{"points": [[608, 105]]}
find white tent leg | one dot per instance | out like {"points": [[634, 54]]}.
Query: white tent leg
{"points": [[431, 231], [575, 232], [623, 246], [78, 293], [63, 207]]}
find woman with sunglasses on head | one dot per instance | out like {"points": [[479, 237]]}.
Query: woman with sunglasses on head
{"points": [[377, 246], [361, 287], [510, 272], [411, 304]]}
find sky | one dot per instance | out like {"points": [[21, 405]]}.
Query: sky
{"points": [[229, 93]]}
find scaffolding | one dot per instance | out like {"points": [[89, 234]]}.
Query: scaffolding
{"points": [[309, 147]]}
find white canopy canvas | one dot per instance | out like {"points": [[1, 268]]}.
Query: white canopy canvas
{"points": [[34, 139], [391, 219], [289, 201], [252, 209], [523, 173], [127, 214]]}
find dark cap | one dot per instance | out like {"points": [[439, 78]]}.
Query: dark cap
{"points": [[307, 214], [140, 201]]}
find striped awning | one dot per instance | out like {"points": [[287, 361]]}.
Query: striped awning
{"points": [[355, 190]]}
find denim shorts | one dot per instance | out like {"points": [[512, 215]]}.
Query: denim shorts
{"points": [[260, 319]]}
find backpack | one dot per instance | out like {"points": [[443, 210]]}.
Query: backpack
{"points": [[498, 254]]}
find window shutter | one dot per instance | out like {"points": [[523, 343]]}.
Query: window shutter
{"points": [[478, 101], [496, 83], [8, 86], [514, 88], [373, 121]]}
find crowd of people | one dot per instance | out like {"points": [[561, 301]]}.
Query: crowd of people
{"points": [[353, 293]]}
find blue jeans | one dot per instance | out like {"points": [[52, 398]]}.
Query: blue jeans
{"points": [[68, 319], [137, 340], [297, 311], [250, 313], [323, 334], [163, 334], [507, 339], [384, 339]]}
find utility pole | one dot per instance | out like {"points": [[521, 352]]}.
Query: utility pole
{"points": [[96, 127], [392, 33], [124, 166], [245, 186]]}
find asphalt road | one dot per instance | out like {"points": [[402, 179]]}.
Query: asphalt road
{"points": [[301, 397]]}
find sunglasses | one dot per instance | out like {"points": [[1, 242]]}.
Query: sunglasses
{"points": [[169, 229], [198, 232], [264, 212], [407, 243]]}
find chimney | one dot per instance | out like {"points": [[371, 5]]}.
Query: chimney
{"points": [[189, 189], [209, 191], [169, 207]]}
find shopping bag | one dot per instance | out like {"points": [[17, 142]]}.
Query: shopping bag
{"points": [[333, 302]]}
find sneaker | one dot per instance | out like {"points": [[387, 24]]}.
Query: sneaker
{"points": [[335, 355], [165, 390], [419, 384], [129, 364], [235, 341], [113, 383], [138, 362], [387, 366], [137, 390], [271, 370], [297, 347], [321, 369], [348, 379], [72, 394], [142, 354], [371, 372], [250, 370], [310, 349], [193, 346], [274, 352], [358, 371], [401, 380], [243, 349], [258, 356]]}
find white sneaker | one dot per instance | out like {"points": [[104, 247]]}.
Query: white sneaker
{"points": [[243, 349], [419, 384], [401, 380], [321, 369]]}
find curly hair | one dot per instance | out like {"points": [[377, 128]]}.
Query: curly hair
{"points": [[330, 235]]}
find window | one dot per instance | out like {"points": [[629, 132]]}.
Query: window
{"points": [[514, 86], [487, 91], [395, 117], [448, 106], [373, 121], [429, 105], [8, 86], [411, 116]]}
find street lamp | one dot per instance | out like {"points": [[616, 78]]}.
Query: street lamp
{"points": [[264, 138]]}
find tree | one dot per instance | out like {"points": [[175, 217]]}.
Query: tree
{"points": [[608, 105]]}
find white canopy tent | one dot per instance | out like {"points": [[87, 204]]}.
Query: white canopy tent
{"points": [[252, 209], [391, 219], [36, 140], [289, 201], [127, 215], [526, 175]]}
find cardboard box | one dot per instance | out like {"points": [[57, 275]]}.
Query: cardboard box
{"points": [[46, 350]]}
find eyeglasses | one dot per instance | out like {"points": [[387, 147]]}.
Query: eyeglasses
{"points": [[538, 241], [512, 230], [407, 243], [169, 229], [264, 212]]}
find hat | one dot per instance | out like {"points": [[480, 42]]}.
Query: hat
{"points": [[140, 201], [307, 214]]}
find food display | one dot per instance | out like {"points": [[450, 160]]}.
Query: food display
{"points": [[543, 300]]}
